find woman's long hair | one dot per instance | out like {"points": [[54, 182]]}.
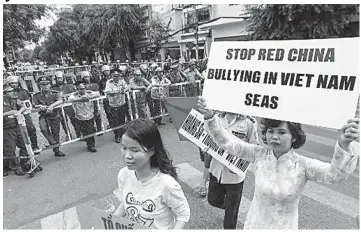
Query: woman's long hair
{"points": [[146, 133]]}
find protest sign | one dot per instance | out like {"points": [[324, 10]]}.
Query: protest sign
{"points": [[193, 129], [104, 221], [314, 82]]}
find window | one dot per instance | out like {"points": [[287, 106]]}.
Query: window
{"points": [[233, 4], [203, 15]]}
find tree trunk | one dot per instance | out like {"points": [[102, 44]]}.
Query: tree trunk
{"points": [[132, 49]]}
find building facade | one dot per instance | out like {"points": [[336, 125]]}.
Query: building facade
{"points": [[216, 22]]}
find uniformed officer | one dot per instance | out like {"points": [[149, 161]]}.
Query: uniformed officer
{"points": [[65, 90], [192, 75], [12, 137], [127, 76], [84, 111], [115, 91], [138, 82], [25, 97], [46, 100], [225, 187], [102, 83], [95, 74], [95, 88]]}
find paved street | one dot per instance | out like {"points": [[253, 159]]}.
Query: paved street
{"points": [[58, 196]]}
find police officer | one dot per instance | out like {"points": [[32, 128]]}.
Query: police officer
{"points": [[192, 75], [65, 90], [95, 74], [25, 97], [46, 100], [11, 131], [115, 91], [95, 88], [127, 76], [138, 82], [84, 111], [102, 83]]}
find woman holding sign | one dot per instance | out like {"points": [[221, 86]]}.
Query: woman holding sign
{"points": [[149, 192], [280, 173]]}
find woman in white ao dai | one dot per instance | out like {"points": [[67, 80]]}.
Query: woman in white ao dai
{"points": [[280, 173]]}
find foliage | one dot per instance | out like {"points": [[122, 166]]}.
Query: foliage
{"points": [[19, 24], [90, 27], [24, 55], [36, 52], [158, 33], [299, 21], [110, 25], [62, 35]]}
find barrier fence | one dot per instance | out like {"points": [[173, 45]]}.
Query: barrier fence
{"points": [[29, 78], [137, 103]]}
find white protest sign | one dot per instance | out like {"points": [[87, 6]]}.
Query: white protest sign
{"points": [[105, 221], [193, 129], [313, 82]]}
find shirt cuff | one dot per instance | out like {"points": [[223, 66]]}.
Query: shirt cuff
{"points": [[341, 151]]}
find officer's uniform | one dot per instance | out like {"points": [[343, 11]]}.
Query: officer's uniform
{"points": [[140, 96], [64, 90], [191, 89], [24, 95], [95, 76], [102, 84], [12, 137], [225, 187], [47, 120], [84, 114], [175, 91], [117, 106]]}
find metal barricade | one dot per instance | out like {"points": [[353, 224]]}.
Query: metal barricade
{"points": [[67, 130]]}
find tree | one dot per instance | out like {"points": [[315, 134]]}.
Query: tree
{"points": [[158, 33], [62, 35], [110, 26], [36, 52], [90, 27], [24, 55], [19, 24], [47, 56], [299, 21]]}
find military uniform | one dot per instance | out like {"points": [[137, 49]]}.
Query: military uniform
{"points": [[49, 122], [64, 90], [175, 77], [84, 114], [98, 120], [12, 137], [102, 84], [95, 76], [24, 95], [117, 106], [192, 89], [140, 96]]}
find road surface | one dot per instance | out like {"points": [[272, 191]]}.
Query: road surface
{"points": [[59, 196]]}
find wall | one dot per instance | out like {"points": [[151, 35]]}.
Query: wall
{"points": [[228, 30], [225, 10]]}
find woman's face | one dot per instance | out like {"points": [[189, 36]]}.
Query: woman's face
{"points": [[135, 157], [279, 138]]}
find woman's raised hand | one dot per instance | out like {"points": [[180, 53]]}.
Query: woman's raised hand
{"points": [[349, 133], [202, 108]]}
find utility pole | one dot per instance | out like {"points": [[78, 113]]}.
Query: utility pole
{"points": [[196, 24]]}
